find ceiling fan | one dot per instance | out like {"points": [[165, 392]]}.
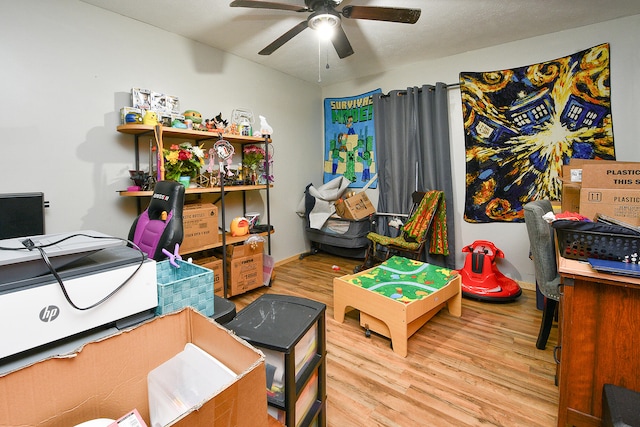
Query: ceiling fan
{"points": [[323, 12]]}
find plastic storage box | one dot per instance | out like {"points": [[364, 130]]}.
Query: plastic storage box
{"points": [[187, 380], [187, 286], [290, 331]]}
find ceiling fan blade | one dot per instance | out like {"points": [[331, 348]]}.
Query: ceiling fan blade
{"points": [[268, 5], [284, 38], [341, 43], [391, 14]]}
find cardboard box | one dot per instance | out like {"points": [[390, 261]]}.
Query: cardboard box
{"points": [[573, 171], [620, 204], [611, 175], [200, 223], [244, 267], [214, 264], [587, 173], [570, 197], [606, 187], [107, 378], [355, 207]]}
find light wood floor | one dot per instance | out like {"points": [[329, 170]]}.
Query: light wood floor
{"points": [[482, 369]]}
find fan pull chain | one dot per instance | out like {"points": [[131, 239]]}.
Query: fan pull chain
{"points": [[319, 60], [327, 51]]}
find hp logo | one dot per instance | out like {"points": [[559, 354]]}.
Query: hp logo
{"points": [[49, 313]]}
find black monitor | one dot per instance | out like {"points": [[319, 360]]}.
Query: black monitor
{"points": [[21, 214]]}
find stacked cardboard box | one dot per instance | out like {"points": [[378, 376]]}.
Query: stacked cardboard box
{"points": [[214, 264], [244, 267], [609, 188], [200, 222]]}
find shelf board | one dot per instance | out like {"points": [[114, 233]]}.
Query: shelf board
{"points": [[167, 132], [229, 240], [198, 190]]}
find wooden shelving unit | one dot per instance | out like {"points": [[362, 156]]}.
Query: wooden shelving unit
{"points": [[202, 190], [160, 133]]}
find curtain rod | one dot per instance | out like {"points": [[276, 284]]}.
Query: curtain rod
{"points": [[404, 92]]}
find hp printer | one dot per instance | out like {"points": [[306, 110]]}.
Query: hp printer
{"points": [[106, 284]]}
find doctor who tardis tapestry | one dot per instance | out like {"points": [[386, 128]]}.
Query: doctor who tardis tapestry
{"points": [[521, 125], [349, 136]]}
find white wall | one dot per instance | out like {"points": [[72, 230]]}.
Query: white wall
{"points": [[68, 68], [623, 36]]}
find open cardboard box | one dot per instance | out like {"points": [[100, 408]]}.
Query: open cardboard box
{"points": [[108, 377], [355, 207]]}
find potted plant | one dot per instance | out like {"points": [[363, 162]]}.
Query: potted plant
{"points": [[183, 160], [254, 161]]}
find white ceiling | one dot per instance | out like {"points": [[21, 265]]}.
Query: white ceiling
{"points": [[446, 27]]}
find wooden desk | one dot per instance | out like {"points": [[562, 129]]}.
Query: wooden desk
{"points": [[599, 339]]}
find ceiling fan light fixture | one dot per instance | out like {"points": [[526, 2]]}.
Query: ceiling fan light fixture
{"points": [[324, 23]]}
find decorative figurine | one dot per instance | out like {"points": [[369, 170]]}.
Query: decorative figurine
{"points": [[150, 118], [265, 129], [219, 123], [239, 226], [195, 117], [224, 150], [242, 119], [178, 124], [133, 118]]}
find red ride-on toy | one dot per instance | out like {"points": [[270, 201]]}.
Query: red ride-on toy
{"points": [[481, 278]]}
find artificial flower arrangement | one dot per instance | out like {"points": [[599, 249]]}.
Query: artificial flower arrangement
{"points": [[254, 159], [183, 160]]}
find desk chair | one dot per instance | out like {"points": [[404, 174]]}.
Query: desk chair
{"points": [[543, 252], [160, 225]]}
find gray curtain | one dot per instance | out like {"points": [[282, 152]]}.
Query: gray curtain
{"points": [[412, 148]]}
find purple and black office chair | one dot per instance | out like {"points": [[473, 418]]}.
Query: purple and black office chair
{"points": [[160, 225]]}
